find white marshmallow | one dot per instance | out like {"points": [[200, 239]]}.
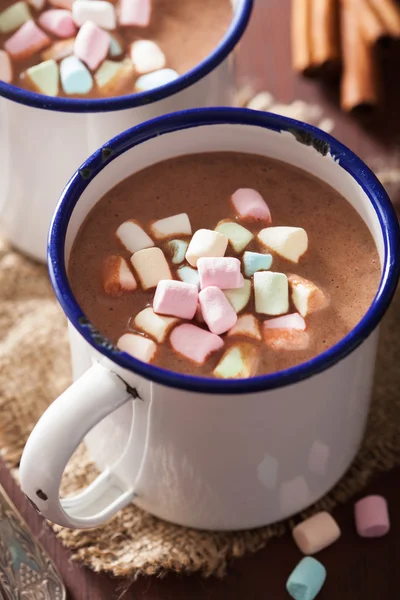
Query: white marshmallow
{"points": [[155, 325], [136, 345], [147, 56], [170, 226], [248, 326], [99, 11], [153, 80], [288, 242], [306, 296], [6, 71], [117, 276], [132, 236], [271, 291], [239, 298], [206, 243], [189, 275], [151, 266]]}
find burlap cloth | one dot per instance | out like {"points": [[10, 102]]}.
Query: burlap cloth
{"points": [[35, 368]]}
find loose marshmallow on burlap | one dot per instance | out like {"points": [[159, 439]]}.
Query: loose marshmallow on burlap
{"points": [[238, 236], [6, 73], [223, 272], [289, 242], [111, 77], [217, 312], [372, 517], [316, 533], [170, 226], [25, 42], [194, 343], [92, 44], [307, 579], [59, 50], [59, 22], [147, 56], [206, 242], [239, 298], [45, 77], [239, 362], [189, 275], [250, 205], [117, 276], [135, 13], [155, 325], [99, 11], [306, 296], [137, 346], [177, 249], [153, 80], [75, 77], [133, 237], [271, 292], [14, 16], [176, 298], [255, 261], [286, 333], [151, 267], [248, 326]]}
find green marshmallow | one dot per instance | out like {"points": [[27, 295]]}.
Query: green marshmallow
{"points": [[239, 297], [45, 77], [106, 72], [255, 261], [239, 362], [14, 16], [189, 275], [177, 249], [238, 236]]}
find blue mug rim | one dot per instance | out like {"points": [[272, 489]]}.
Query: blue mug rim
{"points": [[234, 33], [305, 133]]}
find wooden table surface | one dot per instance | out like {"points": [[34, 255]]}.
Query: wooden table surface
{"points": [[357, 569]]}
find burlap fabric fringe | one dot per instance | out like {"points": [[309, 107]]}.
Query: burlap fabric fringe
{"points": [[34, 369]]}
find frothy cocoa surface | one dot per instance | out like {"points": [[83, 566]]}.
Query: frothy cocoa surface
{"points": [[341, 258]]}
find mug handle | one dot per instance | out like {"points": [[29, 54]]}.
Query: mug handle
{"points": [[58, 433]]}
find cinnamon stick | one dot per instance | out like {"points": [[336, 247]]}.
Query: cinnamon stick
{"points": [[389, 13], [360, 85], [301, 36], [372, 26], [325, 35]]}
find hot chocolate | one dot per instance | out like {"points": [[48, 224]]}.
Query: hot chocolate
{"points": [[224, 265]]}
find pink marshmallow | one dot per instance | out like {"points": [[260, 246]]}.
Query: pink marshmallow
{"points": [[216, 310], [59, 22], [251, 206], [92, 44], [136, 13], [194, 343], [292, 321], [176, 298], [372, 517], [26, 41], [221, 272]]}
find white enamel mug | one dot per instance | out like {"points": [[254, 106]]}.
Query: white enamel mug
{"points": [[202, 452], [45, 139]]}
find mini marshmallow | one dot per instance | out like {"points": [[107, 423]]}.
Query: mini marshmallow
{"points": [[288, 242], [151, 266], [254, 261], [153, 80], [292, 321], [153, 324], [223, 272], [175, 225], [91, 45], [316, 533], [286, 333], [206, 243], [136, 345], [271, 292], [135, 13], [307, 579], [59, 50], [26, 41], [177, 249], [176, 298], [62, 3], [372, 517], [44, 76], [239, 362], [112, 76], [59, 22], [248, 326], [6, 73], [37, 4], [117, 276], [238, 236], [306, 296], [14, 16], [115, 47], [240, 297], [133, 237], [251, 206], [194, 343], [75, 77], [147, 56], [216, 310], [99, 11], [189, 275]]}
